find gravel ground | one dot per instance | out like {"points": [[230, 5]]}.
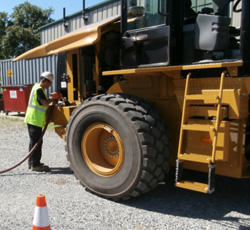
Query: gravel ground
{"points": [[70, 206]]}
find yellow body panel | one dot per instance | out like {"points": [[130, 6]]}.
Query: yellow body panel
{"points": [[61, 114], [163, 87], [70, 84], [60, 117], [235, 93], [174, 71], [85, 36]]}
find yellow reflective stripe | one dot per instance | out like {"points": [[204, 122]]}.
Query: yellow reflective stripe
{"points": [[32, 94], [31, 100], [38, 108]]}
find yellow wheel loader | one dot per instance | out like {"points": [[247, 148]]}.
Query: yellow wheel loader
{"points": [[166, 84]]}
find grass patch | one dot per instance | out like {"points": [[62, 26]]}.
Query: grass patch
{"points": [[51, 126], [7, 122]]}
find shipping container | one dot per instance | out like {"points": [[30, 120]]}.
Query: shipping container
{"points": [[27, 72]]}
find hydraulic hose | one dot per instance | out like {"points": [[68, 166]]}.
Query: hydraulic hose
{"points": [[35, 146]]}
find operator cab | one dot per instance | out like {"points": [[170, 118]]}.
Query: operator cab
{"points": [[175, 32], [146, 34], [207, 33]]}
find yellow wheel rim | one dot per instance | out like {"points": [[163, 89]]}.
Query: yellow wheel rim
{"points": [[102, 149]]}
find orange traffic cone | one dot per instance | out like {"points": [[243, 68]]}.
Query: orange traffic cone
{"points": [[41, 216]]}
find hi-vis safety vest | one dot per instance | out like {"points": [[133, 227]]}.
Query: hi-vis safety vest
{"points": [[36, 113]]}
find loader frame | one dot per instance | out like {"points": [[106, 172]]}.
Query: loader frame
{"points": [[202, 104]]}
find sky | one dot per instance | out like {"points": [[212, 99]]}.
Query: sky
{"points": [[71, 6]]}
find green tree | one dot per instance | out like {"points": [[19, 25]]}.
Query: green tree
{"points": [[21, 33], [3, 26]]}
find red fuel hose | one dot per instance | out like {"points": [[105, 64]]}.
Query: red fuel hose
{"points": [[35, 146]]}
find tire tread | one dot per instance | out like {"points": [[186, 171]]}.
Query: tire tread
{"points": [[153, 135]]}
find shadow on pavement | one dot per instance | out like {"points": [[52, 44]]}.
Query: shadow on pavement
{"points": [[231, 195], [60, 170]]}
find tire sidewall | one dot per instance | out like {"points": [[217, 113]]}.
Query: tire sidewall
{"points": [[126, 178]]}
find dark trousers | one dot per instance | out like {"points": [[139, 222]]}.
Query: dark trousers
{"points": [[34, 134]]}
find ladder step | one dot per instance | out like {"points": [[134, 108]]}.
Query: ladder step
{"points": [[195, 186], [205, 111], [199, 127], [195, 157], [202, 97]]}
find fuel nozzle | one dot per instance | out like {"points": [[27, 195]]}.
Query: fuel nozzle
{"points": [[56, 95]]}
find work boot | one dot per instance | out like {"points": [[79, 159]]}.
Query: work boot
{"points": [[40, 168], [31, 165]]}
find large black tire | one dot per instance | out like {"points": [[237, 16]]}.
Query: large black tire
{"points": [[118, 146]]}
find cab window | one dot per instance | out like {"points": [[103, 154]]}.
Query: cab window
{"points": [[144, 13]]}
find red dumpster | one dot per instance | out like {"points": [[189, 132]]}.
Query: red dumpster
{"points": [[16, 98]]}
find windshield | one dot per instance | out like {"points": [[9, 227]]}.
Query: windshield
{"points": [[144, 13], [198, 5]]}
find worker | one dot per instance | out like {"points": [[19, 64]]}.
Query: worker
{"points": [[36, 118]]}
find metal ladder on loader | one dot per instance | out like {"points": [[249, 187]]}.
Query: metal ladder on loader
{"points": [[197, 126]]}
